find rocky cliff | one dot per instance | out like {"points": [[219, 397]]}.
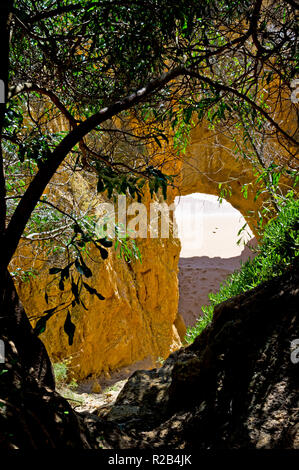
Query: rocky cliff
{"points": [[234, 387], [138, 319]]}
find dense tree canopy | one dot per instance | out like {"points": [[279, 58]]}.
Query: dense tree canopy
{"points": [[131, 73], [99, 88]]}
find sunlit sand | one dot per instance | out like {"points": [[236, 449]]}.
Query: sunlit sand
{"points": [[209, 234]]}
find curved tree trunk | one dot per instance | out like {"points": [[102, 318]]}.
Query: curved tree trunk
{"points": [[15, 329], [32, 414]]}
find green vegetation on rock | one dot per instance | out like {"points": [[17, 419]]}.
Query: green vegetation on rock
{"points": [[275, 253]]}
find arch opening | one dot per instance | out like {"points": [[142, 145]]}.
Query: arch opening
{"points": [[209, 232]]}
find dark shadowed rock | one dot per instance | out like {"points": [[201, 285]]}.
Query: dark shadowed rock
{"points": [[234, 387], [32, 414]]}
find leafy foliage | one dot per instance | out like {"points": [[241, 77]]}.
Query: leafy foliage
{"points": [[125, 79], [75, 272], [114, 183], [69, 328], [64, 375]]}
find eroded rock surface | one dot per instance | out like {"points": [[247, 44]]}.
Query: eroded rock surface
{"points": [[139, 317], [135, 321], [234, 387]]}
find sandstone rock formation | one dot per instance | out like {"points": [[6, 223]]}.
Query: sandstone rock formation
{"points": [[135, 321], [234, 387], [210, 161], [138, 318]]}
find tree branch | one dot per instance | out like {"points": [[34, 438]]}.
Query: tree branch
{"points": [[5, 9], [243, 97], [39, 183], [30, 87]]}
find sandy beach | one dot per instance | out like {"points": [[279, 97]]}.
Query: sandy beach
{"points": [[209, 235]]}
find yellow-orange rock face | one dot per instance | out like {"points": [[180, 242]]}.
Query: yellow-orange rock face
{"points": [[209, 162], [138, 318], [135, 321]]}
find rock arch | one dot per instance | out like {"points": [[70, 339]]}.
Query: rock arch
{"points": [[210, 161], [138, 318]]}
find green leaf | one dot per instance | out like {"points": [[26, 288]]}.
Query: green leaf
{"points": [[51, 310], [100, 186], [187, 115], [106, 243], [83, 305], [75, 292], [157, 141], [93, 291], [164, 189], [41, 324], [82, 268], [65, 273], [54, 270], [104, 253], [69, 328], [241, 229], [79, 267], [164, 137]]}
